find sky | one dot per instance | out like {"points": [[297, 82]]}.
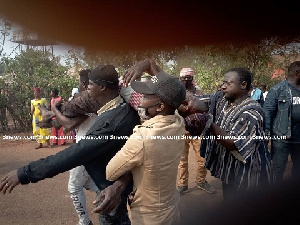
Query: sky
{"points": [[11, 48]]}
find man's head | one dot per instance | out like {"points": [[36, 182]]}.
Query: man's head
{"points": [[294, 71], [187, 77], [103, 79], [84, 79], [263, 88], [163, 94], [54, 93], [236, 83]]}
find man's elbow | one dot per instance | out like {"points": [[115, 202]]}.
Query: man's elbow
{"points": [[110, 177]]}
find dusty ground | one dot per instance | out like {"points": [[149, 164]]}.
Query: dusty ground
{"points": [[47, 202]]}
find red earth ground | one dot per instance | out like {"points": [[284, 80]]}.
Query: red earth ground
{"points": [[48, 202]]}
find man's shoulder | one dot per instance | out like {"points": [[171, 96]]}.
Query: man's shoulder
{"points": [[279, 86], [121, 116], [123, 111], [251, 105], [124, 108]]}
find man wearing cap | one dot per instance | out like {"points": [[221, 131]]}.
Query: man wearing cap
{"points": [[115, 118], [187, 78], [75, 110], [79, 179], [153, 151]]}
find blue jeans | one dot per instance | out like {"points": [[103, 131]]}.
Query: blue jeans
{"points": [[279, 155]]}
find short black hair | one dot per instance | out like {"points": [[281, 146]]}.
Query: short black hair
{"points": [[295, 66], [84, 75], [244, 75], [55, 91], [264, 86]]}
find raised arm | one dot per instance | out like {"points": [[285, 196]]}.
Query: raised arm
{"points": [[135, 72]]}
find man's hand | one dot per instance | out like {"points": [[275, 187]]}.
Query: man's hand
{"points": [[135, 72], [9, 182], [109, 199], [57, 104], [111, 196], [46, 114]]}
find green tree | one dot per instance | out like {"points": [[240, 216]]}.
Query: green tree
{"points": [[32, 68]]}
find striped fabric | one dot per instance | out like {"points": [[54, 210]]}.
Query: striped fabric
{"points": [[243, 122], [196, 123]]}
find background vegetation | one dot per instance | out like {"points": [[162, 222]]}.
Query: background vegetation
{"points": [[34, 68]]}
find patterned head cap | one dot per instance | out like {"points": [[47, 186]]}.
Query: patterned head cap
{"points": [[187, 72]]}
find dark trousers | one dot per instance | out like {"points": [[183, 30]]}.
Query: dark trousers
{"points": [[230, 192], [119, 216], [279, 155]]}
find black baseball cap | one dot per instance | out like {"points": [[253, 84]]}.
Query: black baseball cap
{"points": [[163, 85]]}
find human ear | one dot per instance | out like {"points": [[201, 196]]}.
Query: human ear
{"points": [[243, 85], [160, 107], [103, 88]]}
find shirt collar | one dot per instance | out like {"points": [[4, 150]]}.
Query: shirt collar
{"points": [[159, 118], [114, 103]]}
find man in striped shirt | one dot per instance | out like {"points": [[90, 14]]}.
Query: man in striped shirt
{"points": [[238, 154]]}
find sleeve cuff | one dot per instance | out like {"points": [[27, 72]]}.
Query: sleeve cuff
{"points": [[22, 175]]}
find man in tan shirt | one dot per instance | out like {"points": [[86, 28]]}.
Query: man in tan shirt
{"points": [[153, 152]]}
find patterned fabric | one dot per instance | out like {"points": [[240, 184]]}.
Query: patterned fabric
{"points": [[132, 97], [186, 72], [243, 122], [135, 99], [196, 123]]}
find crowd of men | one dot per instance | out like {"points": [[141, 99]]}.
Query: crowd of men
{"points": [[136, 178]]}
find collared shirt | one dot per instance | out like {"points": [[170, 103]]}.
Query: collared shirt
{"points": [[152, 153], [110, 105]]}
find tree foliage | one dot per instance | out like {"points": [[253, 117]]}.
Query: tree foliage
{"points": [[32, 68]]}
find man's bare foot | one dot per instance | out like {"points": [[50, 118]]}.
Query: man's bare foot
{"points": [[46, 114]]}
